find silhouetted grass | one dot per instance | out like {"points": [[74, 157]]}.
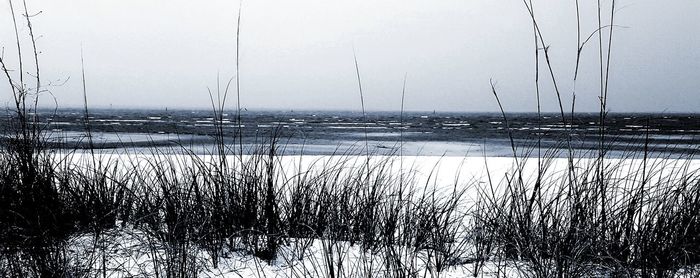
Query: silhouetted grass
{"points": [[632, 216]]}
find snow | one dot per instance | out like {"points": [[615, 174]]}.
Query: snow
{"points": [[129, 252]]}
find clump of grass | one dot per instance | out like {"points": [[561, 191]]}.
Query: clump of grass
{"points": [[597, 216], [34, 218], [649, 221]]}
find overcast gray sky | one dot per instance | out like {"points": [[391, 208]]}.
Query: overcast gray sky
{"points": [[299, 54]]}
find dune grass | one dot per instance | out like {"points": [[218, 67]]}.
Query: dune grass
{"points": [[181, 216]]}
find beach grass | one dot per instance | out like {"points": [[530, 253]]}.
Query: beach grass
{"points": [[74, 213]]}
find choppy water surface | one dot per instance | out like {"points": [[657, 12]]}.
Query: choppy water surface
{"points": [[454, 134]]}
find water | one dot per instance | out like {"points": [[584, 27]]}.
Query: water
{"points": [[332, 132]]}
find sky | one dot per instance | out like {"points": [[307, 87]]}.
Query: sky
{"points": [[299, 54]]}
